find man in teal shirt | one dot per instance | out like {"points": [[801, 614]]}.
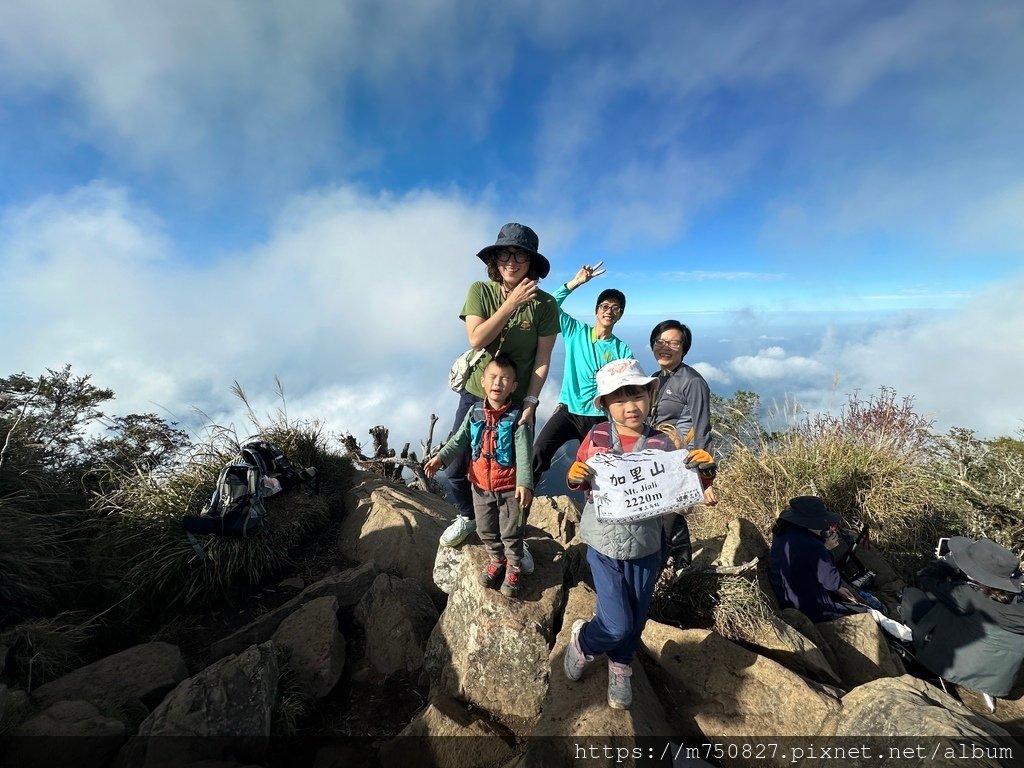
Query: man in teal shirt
{"points": [[587, 349]]}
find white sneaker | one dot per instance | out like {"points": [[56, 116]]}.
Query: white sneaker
{"points": [[575, 660], [457, 532], [526, 562], [620, 689]]}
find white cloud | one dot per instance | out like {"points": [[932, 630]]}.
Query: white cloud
{"points": [[353, 301], [774, 364], [963, 369], [206, 92]]}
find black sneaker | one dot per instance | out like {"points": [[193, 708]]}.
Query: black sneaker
{"points": [[510, 587], [490, 576]]}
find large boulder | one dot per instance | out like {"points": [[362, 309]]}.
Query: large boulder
{"points": [[861, 650], [910, 708], [396, 527], [491, 650], [447, 734], [134, 680], [222, 713], [315, 647], [728, 691], [347, 588], [558, 516], [782, 643], [1009, 713], [447, 564], [743, 542], [579, 710], [799, 621], [67, 733], [398, 617]]}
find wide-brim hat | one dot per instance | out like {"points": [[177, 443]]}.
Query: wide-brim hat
{"points": [[618, 374], [986, 562], [519, 236], [809, 512]]}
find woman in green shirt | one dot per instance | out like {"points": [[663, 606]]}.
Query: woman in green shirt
{"points": [[509, 313]]}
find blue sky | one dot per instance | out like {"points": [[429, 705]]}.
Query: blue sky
{"points": [[831, 196]]}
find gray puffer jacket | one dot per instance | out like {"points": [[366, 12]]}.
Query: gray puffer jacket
{"points": [[621, 541]]}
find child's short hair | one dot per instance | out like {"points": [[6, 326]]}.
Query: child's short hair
{"points": [[504, 360]]}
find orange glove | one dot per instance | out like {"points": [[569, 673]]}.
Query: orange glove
{"points": [[579, 472], [702, 461]]}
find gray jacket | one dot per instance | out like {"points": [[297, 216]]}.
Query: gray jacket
{"points": [[621, 541]]}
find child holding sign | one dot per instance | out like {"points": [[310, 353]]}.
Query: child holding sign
{"points": [[625, 557]]}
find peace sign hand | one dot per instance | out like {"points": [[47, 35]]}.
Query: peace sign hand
{"points": [[587, 273]]}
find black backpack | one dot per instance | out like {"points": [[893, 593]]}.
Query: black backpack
{"points": [[236, 506]]}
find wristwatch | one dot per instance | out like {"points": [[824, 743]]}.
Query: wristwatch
{"points": [[531, 400]]}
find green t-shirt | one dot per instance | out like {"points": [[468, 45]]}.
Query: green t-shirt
{"points": [[524, 328]]}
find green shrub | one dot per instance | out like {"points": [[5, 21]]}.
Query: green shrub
{"points": [[41, 650], [147, 551], [871, 463]]}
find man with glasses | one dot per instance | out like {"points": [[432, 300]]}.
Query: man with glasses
{"points": [[587, 349]]}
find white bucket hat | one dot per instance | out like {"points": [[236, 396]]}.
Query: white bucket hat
{"points": [[618, 374]]}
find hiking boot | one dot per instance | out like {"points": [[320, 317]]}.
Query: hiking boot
{"points": [[620, 689], [510, 588], [490, 576], [457, 532], [575, 660], [526, 562]]}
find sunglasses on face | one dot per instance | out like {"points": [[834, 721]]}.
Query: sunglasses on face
{"points": [[520, 257]]}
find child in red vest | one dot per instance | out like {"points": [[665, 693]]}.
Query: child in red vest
{"points": [[500, 473]]}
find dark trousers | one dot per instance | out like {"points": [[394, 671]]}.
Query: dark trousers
{"points": [[562, 427], [499, 524], [624, 592], [457, 470]]}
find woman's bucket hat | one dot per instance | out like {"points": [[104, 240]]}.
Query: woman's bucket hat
{"points": [[986, 562], [809, 512], [519, 236]]}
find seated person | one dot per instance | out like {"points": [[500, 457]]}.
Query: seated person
{"points": [[967, 616], [802, 572]]}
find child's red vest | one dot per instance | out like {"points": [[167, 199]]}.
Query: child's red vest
{"points": [[492, 442]]}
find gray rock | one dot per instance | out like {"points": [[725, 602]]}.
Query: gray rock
{"points": [[1009, 713], [860, 648], [447, 563], [222, 713], [398, 616], [347, 587], [558, 516], [294, 583], [790, 648], [798, 621], [67, 733], [433, 739], [491, 650], [907, 707], [134, 680], [580, 710], [396, 527], [729, 691], [743, 542], [315, 647]]}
